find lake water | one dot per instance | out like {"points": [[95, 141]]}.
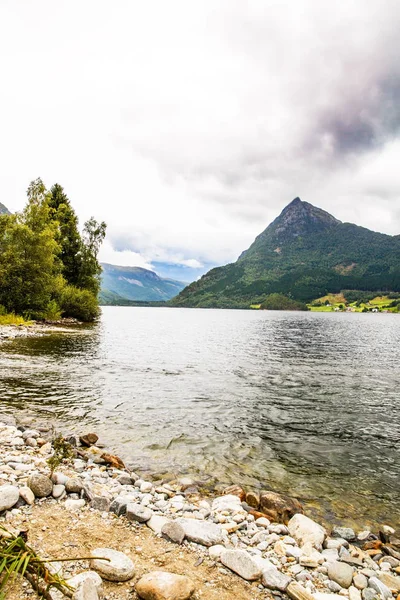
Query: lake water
{"points": [[303, 403]]}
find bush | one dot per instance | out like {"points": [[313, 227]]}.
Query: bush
{"points": [[80, 304], [281, 302]]}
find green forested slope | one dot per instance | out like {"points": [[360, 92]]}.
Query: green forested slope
{"points": [[305, 253]]}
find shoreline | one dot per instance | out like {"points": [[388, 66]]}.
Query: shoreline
{"points": [[276, 547]]}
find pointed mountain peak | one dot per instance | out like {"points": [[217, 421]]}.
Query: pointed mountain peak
{"points": [[301, 218], [4, 210]]}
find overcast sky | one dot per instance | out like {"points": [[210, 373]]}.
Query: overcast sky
{"points": [[188, 125]]}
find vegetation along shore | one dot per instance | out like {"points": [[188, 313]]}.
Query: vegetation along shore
{"points": [[117, 535]]}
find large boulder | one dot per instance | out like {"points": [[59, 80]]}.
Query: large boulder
{"points": [[202, 532], [160, 585], [9, 495], [242, 563], [118, 567], [279, 508], [304, 530]]}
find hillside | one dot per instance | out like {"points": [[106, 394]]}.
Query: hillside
{"points": [[4, 210], [305, 254], [120, 284]]}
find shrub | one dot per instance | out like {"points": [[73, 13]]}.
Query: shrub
{"points": [[77, 303]]}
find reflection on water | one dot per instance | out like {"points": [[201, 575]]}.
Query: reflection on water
{"points": [[306, 403]]}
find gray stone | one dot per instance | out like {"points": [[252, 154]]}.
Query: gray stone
{"points": [[73, 485], [242, 563], [335, 543], [27, 495], [274, 579], [369, 594], [58, 490], [118, 505], [159, 585], [124, 479], [94, 577], [334, 587], [9, 495], [119, 567], [101, 503], [303, 530], [137, 512], [360, 581], [380, 587], [40, 485], [86, 591], [392, 582], [156, 523], [173, 531], [344, 532], [202, 532], [341, 573]]}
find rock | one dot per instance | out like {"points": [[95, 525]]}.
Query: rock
{"points": [[101, 503], [341, 573], [58, 490], [9, 495], [146, 487], [40, 485], [228, 502], [156, 523], [296, 591], [235, 490], [138, 512], [354, 593], [263, 522], [173, 531], [253, 500], [214, 552], [279, 508], [119, 567], [344, 532], [304, 530], [88, 439], [124, 479], [86, 591], [202, 532], [94, 577], [369, 594], [335, 544], [392, 582], [27, 495], [274, 579], [113, 461], [242, 563], [59, 478], [73, 485], [118, 505], [380, 587], [71, 504], [160, 585], [360, 581]]}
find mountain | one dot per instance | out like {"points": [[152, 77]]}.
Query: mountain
{"points": [[4, 210], [304, 254], [120, 284]]}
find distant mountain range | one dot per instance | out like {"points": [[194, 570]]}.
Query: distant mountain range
{"points": [[4, 210], [304, 254], [122, 285]]}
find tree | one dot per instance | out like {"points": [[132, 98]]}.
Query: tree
{"points": [[68, 235], [92, 238], [30, 272]]}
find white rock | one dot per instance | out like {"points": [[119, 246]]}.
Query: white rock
{"points": [[86, 591], [74, 504], [228, 503], [354, 593], [202, 532], [118, 568], [263, 522], [304, 530], [156, 523], [77, 580], [146, 487], [380, 587], [215, 552], [27, 495], [242, 563], [9, 495], [58, 490]]}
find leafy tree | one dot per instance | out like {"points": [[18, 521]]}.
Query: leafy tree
{"points": [[68, 235], [92, 238]]}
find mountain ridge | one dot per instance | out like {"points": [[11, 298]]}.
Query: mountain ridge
{"points": [[120, 284], [304, 253], [4, 210]]}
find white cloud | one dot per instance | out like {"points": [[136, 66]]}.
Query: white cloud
{"points": [[187, 126]]}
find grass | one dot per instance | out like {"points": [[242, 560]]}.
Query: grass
{"points": [[338, 301], [12, 319]]}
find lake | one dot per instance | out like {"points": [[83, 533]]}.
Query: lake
{"points": [[303, 403]]}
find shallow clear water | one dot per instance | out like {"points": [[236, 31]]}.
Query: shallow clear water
{"points": [[306, 403]]}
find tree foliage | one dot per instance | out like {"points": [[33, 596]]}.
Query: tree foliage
{"points": [[47, 269]]}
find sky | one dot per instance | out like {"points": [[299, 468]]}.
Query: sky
{"points": [[188, 125]]}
